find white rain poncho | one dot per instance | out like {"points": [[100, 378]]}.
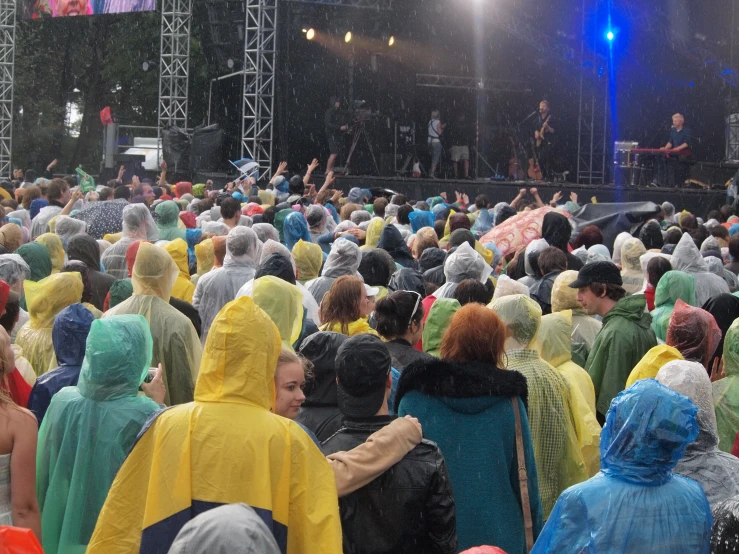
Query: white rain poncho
{"points": [[687, 258], [216, 228], [275, 247], [13, 268], [507, 287], [40, 223], [535, 246], [584, 327], [218, 287], [266, 232], [620, 239], [716, 471], [716, 266], [138, 224], [176, 344], [598, 253], [67, 227], [464, 263], [343, 259], [631, 250]]}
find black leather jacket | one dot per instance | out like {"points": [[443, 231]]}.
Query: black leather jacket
{"points": [[407, 509]]}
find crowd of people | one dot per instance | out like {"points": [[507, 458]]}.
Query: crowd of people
{"points": [[269, 367]]}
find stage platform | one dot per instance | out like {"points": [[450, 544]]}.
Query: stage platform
{"points": [[697, 200]]}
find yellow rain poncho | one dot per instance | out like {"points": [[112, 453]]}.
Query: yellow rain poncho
{"points": [[553, 341], [204, 254], [308, 260], [652, 362], [45, 299], [726, 391], [56, 250], [584, 327], [183, 288], [176, 343], [552, 415], [282, 302], [223, 448], [374, 230]]}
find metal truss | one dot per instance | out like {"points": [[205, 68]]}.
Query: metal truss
{"points": [[174, 64], [379, 5], [593, 109], [258, 105], [7, 60], [469, 83]]}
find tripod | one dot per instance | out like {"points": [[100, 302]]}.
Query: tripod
{"points": [[360, 130]]}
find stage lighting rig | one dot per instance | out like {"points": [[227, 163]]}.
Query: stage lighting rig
{"points": [[348, 37], [391, 41], [310, 33]]}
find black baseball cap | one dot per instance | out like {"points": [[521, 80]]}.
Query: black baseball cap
{"points": [[597, 272], [362, 365]]}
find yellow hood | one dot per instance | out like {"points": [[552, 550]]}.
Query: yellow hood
{"points": [[652, 362], [283, 303], [564, 297], [204, 255], [49, 296], [56, 250], [374, 230], [178, 250], [554, 340], [154, 272], [239, 366]]}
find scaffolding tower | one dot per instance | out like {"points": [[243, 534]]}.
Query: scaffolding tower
{"points": [[174, 64], [7, 57]]}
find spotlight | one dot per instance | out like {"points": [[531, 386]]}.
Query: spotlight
{"points": [[391, 41], [610, 36], [147, 65], [310, 34], [348, 37], [230, 63]]}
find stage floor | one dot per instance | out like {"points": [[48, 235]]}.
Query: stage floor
{"points": [[696, 200]]}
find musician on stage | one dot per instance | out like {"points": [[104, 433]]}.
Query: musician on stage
{"points": [[335, 127], [670, 172], [544, 137]]}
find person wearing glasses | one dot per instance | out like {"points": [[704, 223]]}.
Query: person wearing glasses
{"points": [[399, 320], [465, 403]]}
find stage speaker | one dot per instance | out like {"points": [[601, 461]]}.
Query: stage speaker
{"points": [[176, 146], [207, 148]]}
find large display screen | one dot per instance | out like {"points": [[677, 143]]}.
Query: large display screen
{"points": [[37, 9]]}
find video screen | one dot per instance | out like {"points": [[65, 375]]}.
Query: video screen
{"points": [[38, 9]]}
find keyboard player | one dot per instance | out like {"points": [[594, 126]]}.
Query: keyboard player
{"points": [[671, 170]]}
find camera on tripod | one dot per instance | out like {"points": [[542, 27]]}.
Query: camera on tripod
{"points": [[361, 112]]}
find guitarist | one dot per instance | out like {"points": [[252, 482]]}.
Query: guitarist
{"points": [[336, 126], [543, 139]]}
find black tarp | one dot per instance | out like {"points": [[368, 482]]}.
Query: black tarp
{"points": [[615, 218]]}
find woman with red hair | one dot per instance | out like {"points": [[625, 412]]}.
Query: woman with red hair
{"points": [[467, 403]]}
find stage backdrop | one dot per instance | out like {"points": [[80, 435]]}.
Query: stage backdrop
{"points": [[35, 9]]}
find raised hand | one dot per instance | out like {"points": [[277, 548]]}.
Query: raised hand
{"points": [[313, 165], [282, 168], [573, 197], [534, 192]]}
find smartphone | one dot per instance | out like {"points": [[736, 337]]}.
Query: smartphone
{"points": [[150, 374]]}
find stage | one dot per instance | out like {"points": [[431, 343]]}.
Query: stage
{"points": [[696, 200]]}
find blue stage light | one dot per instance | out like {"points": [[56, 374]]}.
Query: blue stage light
{"points": [[610, 36]]}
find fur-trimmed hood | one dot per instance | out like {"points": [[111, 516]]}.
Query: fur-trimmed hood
{"points": [[455, 380]]}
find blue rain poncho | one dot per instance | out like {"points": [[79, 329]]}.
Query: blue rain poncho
{"points": [[636, 503], [89, 429], [295, 229], [420, 219]]}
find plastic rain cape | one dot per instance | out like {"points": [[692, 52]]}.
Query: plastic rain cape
{"points": [[652, 362], [726, 391], [223, 448], [553, 343], [282, 302], [716, 471], [89, 429], [176, 343], [673, 286], [687, 258], [183, 287], [552, 414], [584, 327], [45, 299], [636, 503]]}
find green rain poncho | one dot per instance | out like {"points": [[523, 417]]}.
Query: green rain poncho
{"points": [[176, 343], [89, 429], [726, 391], [437, 322], [37, 256], [624, 339], [169, 217], [673, 286], [552, 415]]}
